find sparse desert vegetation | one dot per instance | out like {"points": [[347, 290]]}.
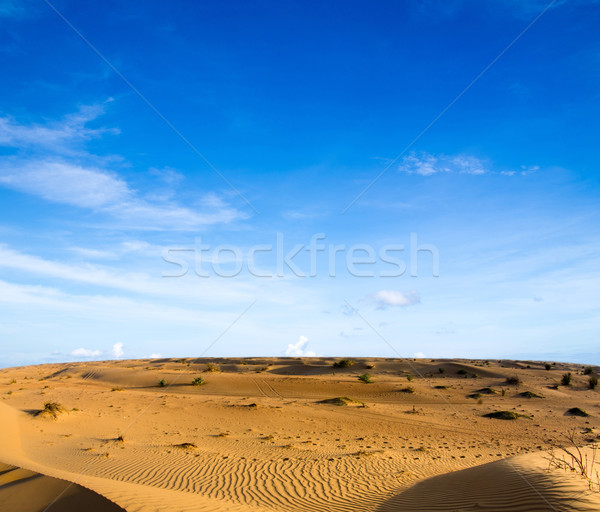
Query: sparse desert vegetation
{"points": [[576, 411], [344, 363], [504, 415], [529, 394], [52, 410], [341, 401], [212, 368], [575, 459], [301, 413]]}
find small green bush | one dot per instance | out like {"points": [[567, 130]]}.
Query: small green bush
{"points": [[593, 381], [344, 363], [409, 378], [576, 411], [212, 368], [504, 415], [513, 381], [198, 381], [588, 371], [366, 378], [162, 383], [566, 379], [548, 366], [441, 370], [462, 371]]}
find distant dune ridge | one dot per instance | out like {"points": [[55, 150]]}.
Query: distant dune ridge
{"points": [[295, 434]]}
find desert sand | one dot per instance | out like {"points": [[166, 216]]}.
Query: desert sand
{"points": [[294, 434]]}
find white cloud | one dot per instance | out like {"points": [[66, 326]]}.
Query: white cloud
{"points": [[105, 192], [154, 356], [384, 299], [57, 168], [57, 136], [94, 254], [427, 164], [299, 349], [84, 352], [67, 183], [117, 350], [419, 355]]}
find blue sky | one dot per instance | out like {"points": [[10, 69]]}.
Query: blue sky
{"points": [[235, 125]]}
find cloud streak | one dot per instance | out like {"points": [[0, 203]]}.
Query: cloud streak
{"points": [[426, 164], [50, 165], [385, 299]]}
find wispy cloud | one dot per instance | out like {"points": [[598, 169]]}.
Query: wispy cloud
{"points": [[427, 164], [385, 299], [54, 136], [52, 164], [113, 278], [85, 353]]}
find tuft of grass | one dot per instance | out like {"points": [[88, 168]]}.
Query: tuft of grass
{"points": [[529, 394], [441, 370], [341, 401], [513, 381], [504, 415], [409, 378], [548, 366], [487, 391], [212, 368], [566, 379], [344, 363], [185, 446], [576, 411], [162, 383], [198, 381], [117, 389], [407, 389], [365, 377], [593, 381], [574, 460], [52, 409]]}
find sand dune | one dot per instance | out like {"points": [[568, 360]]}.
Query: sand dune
{"points": [[42, 491], [517, 484], [296, 434]]}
